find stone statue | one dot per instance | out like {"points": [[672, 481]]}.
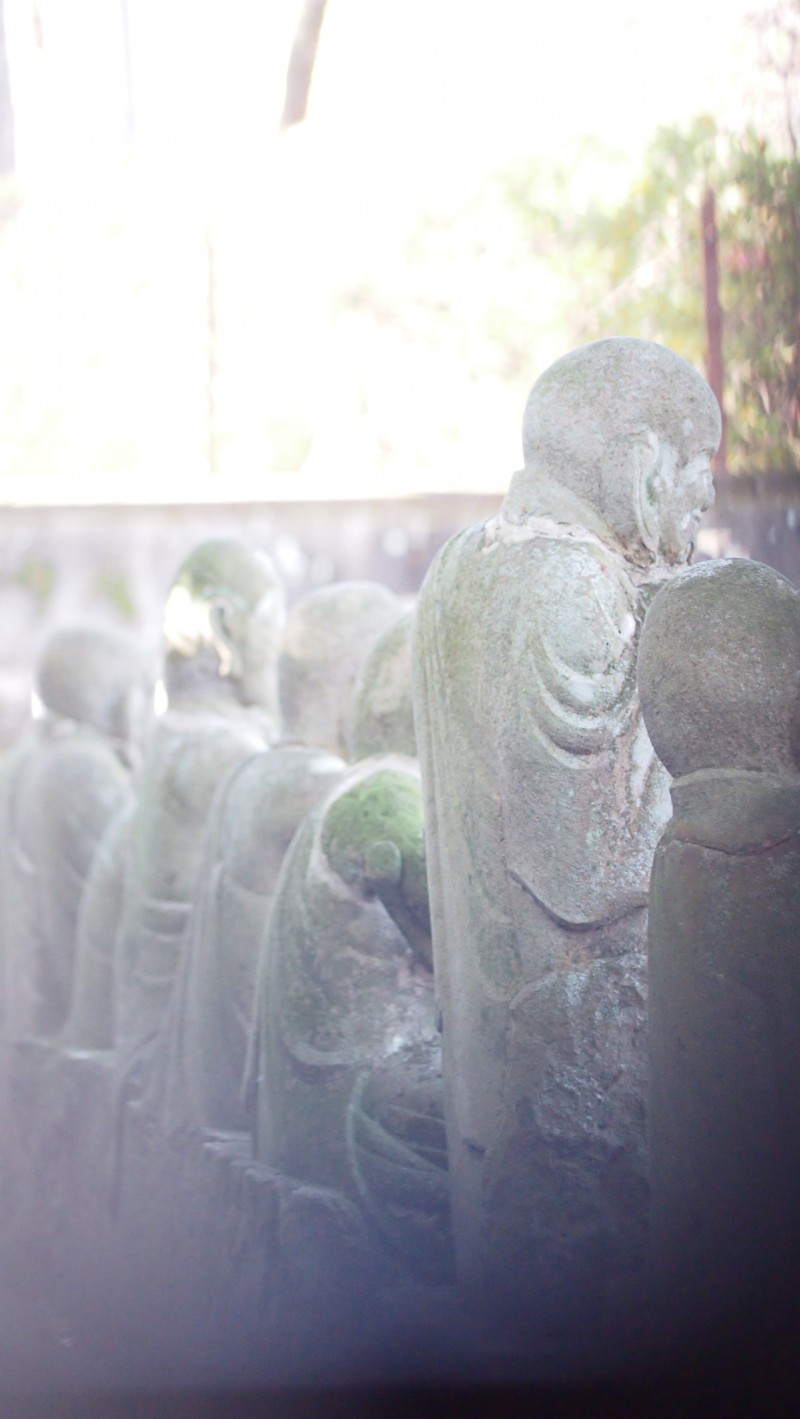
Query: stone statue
{"points": [[544, 803], [719, 678], [199, 1074], [91, 1024], [58, 794], [382, 706], [223, 621], [253, 819], [347, 1056], [328, 634]]}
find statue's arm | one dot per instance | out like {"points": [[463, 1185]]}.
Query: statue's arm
{"points": [[91, 1018], [581, 649]]}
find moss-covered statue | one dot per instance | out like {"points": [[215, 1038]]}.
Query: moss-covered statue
{"points": [[58, 793], [348, 1078], [345, 1060], [544, 803], [223, 622]]}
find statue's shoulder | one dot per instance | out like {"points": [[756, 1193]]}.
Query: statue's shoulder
{"points": [[192, 761], [463, 546], [581, 607], [260, 804], [86, 761], [84, 786]]}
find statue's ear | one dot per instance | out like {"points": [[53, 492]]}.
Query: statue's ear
{"points": [[225, 640], [383, 864], [645, 457]]}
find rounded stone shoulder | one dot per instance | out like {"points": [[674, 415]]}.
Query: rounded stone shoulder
{"points": [[84, 768], [79, 786], [192, 764], [261, 804]]}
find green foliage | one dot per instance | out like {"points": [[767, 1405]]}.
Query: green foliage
{"points": [[760, 259], [37, 576], [637, 269], [111, 585]]}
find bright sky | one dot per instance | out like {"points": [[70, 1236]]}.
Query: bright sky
{"points": [[411, 106], [447, 88]]}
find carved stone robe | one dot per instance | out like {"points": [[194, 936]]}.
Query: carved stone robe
{"points": [[347, 1051], [544, 802], [255, 815], [58, 795], [190, 752]]}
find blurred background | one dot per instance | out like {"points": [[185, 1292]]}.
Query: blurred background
{"points": [[291, 269]]}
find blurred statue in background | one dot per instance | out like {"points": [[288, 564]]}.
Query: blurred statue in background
{"points": [[91, 1021], [544, 803], [253, 820], [381, 706], [328, 635], [259, 806], [59, 791], [222, 624]]}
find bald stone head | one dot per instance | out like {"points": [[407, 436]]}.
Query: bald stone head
{"points": [[719, 669], [631, 428], [96, 675], [382, 710], [227, 607], [328, 636]]}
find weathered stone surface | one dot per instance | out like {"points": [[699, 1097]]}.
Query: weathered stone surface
{"points": [[209, 1269], [252, 822], [544, 802], [223, 622], [91, 1020], [328, 635], [232, 1273], [382, 709], [198, 1077], [719, 670], [347, 1052], [59, 792]]}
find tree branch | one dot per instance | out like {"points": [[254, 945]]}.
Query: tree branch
{"points": [[301, 62]]}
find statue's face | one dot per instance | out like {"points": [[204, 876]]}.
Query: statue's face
{"points": [[678, 489]]}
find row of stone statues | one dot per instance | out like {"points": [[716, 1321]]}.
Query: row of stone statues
{"points": [[424, 984], [290, 1000]]}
